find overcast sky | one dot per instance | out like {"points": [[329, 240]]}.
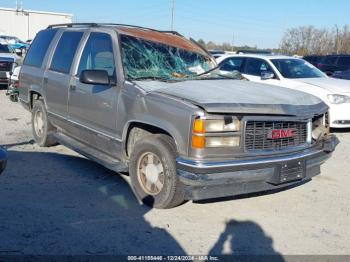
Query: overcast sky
{"points": [[260, 23]]}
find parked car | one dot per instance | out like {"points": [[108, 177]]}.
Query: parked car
{"points": [[313, 59], [12, 90], [216, 53], [152, 104], [333, 63], [253, 51], [15, 42], [3, 159], [342, 75], [8, 59], [296, 74]]}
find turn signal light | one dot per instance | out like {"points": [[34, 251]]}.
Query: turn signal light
{"points": [[198, 141]]}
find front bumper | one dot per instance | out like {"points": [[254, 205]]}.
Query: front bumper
{"points": [[3, 160], [205, 180]]}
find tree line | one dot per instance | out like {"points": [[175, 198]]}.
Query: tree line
{"points": [[303, 40], [308, 40]]}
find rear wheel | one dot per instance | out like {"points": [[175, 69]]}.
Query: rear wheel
{"points": [[41, 127], [153, 172]]}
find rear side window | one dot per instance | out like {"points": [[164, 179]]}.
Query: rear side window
{"points": [[64, 54], [344, 61], [232, 64], [38, 48], [98, 54]]}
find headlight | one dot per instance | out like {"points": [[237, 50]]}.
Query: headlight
{"points": [[338, 99], [226, 124], [216, 132]]}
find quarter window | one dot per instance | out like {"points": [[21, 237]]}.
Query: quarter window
{"points": [[98, 54], [38, 48], [64, 54]]}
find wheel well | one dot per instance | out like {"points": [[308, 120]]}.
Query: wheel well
{"points": [[136, 131], [33, 96]]}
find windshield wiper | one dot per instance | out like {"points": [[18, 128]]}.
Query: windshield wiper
{"points": [[159, 78], [208, 71]]}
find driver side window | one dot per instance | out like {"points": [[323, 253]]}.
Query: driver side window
{"points": [[98, 54]]}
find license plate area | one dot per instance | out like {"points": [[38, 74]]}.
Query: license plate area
{"points": [[289, 171]]}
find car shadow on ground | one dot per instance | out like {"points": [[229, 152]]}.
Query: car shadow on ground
{"points": [[61, 204], [252, 195]]}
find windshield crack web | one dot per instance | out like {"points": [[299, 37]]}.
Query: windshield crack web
{"points": [[146, 59]]}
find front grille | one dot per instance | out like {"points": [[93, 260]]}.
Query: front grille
{"points": [[5, 66], [257, 135]]}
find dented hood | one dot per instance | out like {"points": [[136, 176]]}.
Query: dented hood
{"points": [[234, 96]]}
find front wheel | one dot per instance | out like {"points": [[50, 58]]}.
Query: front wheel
{"points": [[153, 172]]}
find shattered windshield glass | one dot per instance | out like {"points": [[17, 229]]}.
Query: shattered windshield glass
{"points": [[143, 59]]}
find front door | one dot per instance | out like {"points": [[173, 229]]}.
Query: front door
{"points": [[255, 67], [92, 108]]}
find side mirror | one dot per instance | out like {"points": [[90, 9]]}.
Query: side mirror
{"points": [[94, 77], [267, 75]]}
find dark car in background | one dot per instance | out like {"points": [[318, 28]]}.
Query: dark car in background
{"points": [[313, 59], [3, 159], [334, 63], [342, 75]]}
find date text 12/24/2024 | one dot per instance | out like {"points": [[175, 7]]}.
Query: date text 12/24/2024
{"points": [[172, 258]]}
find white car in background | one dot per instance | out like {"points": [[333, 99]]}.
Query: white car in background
{"points": [[296, 74]]}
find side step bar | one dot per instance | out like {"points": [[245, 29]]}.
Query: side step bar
{"points": [[91, 153]]}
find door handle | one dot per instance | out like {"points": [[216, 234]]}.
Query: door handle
{"points": [[72, 87]]}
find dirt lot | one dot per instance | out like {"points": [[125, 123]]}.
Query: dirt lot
{"points": [[54, 201]]}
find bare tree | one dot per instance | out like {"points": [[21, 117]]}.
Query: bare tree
{"points": [[306, 40]]}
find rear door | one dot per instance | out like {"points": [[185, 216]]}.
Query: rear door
{"points": [[92, 108], [58, 75]]}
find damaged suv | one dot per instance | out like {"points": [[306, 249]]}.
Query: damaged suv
{"points": [[153, 104]]}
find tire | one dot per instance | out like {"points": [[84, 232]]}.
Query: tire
{"points": [[167, 191], [42, 129]]}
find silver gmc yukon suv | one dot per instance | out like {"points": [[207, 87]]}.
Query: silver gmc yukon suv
{"points": [[153, 104]]}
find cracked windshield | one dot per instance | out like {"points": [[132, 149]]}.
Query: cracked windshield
{"points": [[145, 59]]}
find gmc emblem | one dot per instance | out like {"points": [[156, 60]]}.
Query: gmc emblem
{"points": [[281, 133]]}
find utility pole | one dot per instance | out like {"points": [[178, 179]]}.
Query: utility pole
{"points": [[233, 40], [172, 15]]}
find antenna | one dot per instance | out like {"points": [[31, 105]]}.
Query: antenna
{"points": [[172, 15]]}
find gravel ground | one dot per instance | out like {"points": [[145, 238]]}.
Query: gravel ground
{"points": [[54, 201]]}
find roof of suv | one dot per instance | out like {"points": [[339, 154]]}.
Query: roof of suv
{"points": [[171, 38]]}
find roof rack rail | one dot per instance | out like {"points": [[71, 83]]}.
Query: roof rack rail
{"points": [[110, 24], [73, 25]]}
